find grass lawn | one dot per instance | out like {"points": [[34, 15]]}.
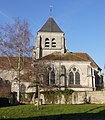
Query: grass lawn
{"points": [[54, 112]]}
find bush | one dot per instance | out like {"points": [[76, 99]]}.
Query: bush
{"points": [[53, 96], [4, 102]]}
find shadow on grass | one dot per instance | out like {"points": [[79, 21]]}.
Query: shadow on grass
{"points": [[80, 116], [96, 108]]}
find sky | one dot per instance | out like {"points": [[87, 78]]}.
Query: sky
{"points": [[82, 21]]}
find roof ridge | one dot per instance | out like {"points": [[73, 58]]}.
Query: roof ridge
{"points": [[77, 52]]}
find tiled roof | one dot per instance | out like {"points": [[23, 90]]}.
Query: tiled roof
{"points": [[50, 26], [12, 62], [71, 56], [7, 63]]}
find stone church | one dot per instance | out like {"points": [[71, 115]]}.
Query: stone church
{"points": [[74, 70]]}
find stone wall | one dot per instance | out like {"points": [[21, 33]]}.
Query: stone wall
{"points": [[97, 97], [94, 97], [40, 43]]}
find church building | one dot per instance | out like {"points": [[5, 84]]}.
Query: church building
{"points": [[73, 70]]}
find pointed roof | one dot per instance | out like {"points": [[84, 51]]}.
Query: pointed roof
{"points": [[50, 26]]}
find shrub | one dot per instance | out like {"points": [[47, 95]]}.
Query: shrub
{"points": [[4, 102]]}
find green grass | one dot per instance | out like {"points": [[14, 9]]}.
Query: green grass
{"points": [[53, 112]]}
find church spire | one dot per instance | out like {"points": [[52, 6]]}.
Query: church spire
{"points": [[50, 26], [50, 38]]}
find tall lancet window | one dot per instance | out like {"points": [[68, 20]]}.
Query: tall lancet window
{"points": [[77, 78], [71, 78], [52, 79], [47, 42], [53, 42], [63, 76]]}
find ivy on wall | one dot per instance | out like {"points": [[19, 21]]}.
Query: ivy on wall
{"points": [[51, 97], [67, 94], [28, 98]]}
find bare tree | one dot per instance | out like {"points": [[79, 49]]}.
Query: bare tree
{"points": [[39, 77], [15, 45]]}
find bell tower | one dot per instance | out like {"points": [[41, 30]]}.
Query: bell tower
{"points": [[50, 38]]}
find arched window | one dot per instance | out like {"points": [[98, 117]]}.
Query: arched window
{"points": [[46, 42], [74, 76], [63, 76], [53, 42], [52, 79], [77, 78], [71, 78]]}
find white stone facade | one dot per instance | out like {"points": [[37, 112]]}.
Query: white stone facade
{"points": [[47, 43], [87, 79], [83, 79]]}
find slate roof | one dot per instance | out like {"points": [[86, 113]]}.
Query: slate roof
{"points": [[11, 62], [7, 63], [71, 56], [50, 26]]}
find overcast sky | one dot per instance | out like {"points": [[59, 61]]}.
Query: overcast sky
{"points": [[82, 21]]}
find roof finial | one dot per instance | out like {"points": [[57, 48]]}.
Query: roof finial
{"points": [[51, 10]]}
